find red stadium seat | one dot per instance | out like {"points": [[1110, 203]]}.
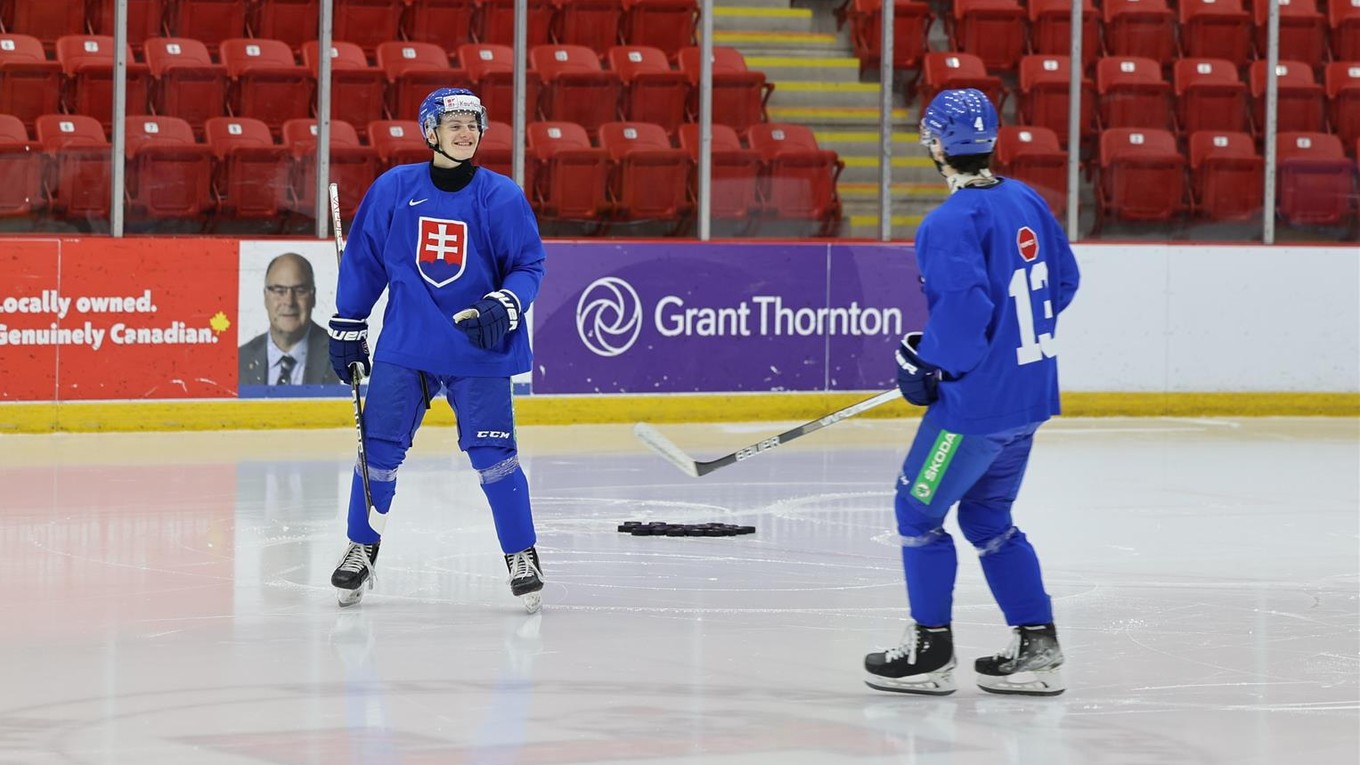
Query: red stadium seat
{"points": [[252, 181], [734, 177], [398, 142], [266, 82], [572, 176], [1315, 182], [78, 179], [992, 30], [169, 175], [1032, 154], [650, 177], [185, 81], [1303, 31], [665, 24], [911, 26], [1225, 175], [353, 166], [652, 91], [87, 63], [293, 22], [146, 18], [211, 21], [21, 165], [592, 23], [1143, 28], [497, 152], [739, 94], [575, 87], [1216, 29], [414, 70], [497, 22], [800, 177], [358, 91], [446, 23], [1044, 85], [1302, 102], [1343, 18], [1050, 28], [1142, 175], [367, 23], [491, 68], [30, 85], [1343, 100], [1132, 93], [46, 20], [1209, 96], [947, 71]]}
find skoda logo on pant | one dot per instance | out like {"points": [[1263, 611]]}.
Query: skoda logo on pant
{"points": [[609, 316]]}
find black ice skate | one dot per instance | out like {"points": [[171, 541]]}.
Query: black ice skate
{"points": [[1030, 666], [526, 578], [354, 574], [924, 663]]}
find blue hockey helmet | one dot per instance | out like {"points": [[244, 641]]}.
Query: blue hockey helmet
{"points": [[447, 101], [964, 121]]}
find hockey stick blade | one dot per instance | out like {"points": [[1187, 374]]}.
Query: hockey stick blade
{"points": [[695, 468]]}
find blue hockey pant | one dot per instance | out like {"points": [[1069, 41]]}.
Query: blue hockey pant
{"points": [[396, 403], [982, 473]]}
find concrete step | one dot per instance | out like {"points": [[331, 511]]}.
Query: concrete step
{"points": [[781, 43], [866, 194], [781, 69], [865, 226], [837, 117], [852, 142], [919, 170], [826, 95], [762, 20]]}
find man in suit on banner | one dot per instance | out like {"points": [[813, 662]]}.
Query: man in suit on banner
{"points": [[294, 350]]}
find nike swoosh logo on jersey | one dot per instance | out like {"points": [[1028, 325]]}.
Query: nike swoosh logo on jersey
{"points": [[415, 202]]}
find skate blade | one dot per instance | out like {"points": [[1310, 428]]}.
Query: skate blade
{"points": [[929, 684], [1048, 682], [348, 598], [532, 602]]}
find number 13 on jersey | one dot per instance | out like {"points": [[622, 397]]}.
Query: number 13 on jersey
{"points": [[1028, 280]]}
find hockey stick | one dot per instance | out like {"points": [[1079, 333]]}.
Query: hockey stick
{"points": [[376, 519], [695, 468]]}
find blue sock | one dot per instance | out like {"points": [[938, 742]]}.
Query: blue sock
{"points": [[507, 491]]}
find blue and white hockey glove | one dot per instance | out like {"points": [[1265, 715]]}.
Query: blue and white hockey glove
{"points": [[349, 345], [487, 320], [918, 381]]}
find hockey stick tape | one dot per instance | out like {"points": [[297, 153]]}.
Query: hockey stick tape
{"points": [[466, 313]]}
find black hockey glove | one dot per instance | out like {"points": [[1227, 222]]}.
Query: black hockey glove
{"points": [[487, 320], [349, 345], [918, 381]]}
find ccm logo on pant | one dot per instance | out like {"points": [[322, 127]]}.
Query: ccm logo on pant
{"points": [[492, 434]]}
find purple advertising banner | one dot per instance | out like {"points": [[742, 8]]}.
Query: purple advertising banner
{"points": [[683, 317]]}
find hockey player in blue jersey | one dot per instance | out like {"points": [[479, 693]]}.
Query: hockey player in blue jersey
{"points": [[457, 248], [997, 270]]}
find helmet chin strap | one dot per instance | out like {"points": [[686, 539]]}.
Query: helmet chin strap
{"points": [[440, 150]]}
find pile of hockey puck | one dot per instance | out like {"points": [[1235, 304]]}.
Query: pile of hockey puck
{"points": [[663, 529]]}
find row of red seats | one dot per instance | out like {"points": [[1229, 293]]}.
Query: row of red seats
{"points": [[261, 78], [1144, 176], [239, 172], [1001, 31], [598, 24], [1131, 92], [634, 173]]}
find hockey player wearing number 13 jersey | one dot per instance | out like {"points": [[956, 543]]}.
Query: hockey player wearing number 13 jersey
{"points": [[457, 248], [997, 270]]}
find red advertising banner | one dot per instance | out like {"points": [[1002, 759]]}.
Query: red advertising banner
{"points": [[90, 319]]}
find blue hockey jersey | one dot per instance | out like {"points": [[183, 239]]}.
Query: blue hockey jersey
{"points": [[438, 252], [997, 271]]}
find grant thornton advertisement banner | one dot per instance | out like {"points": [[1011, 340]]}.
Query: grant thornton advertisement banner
{"points": [[96, 318], [679, 317]]}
